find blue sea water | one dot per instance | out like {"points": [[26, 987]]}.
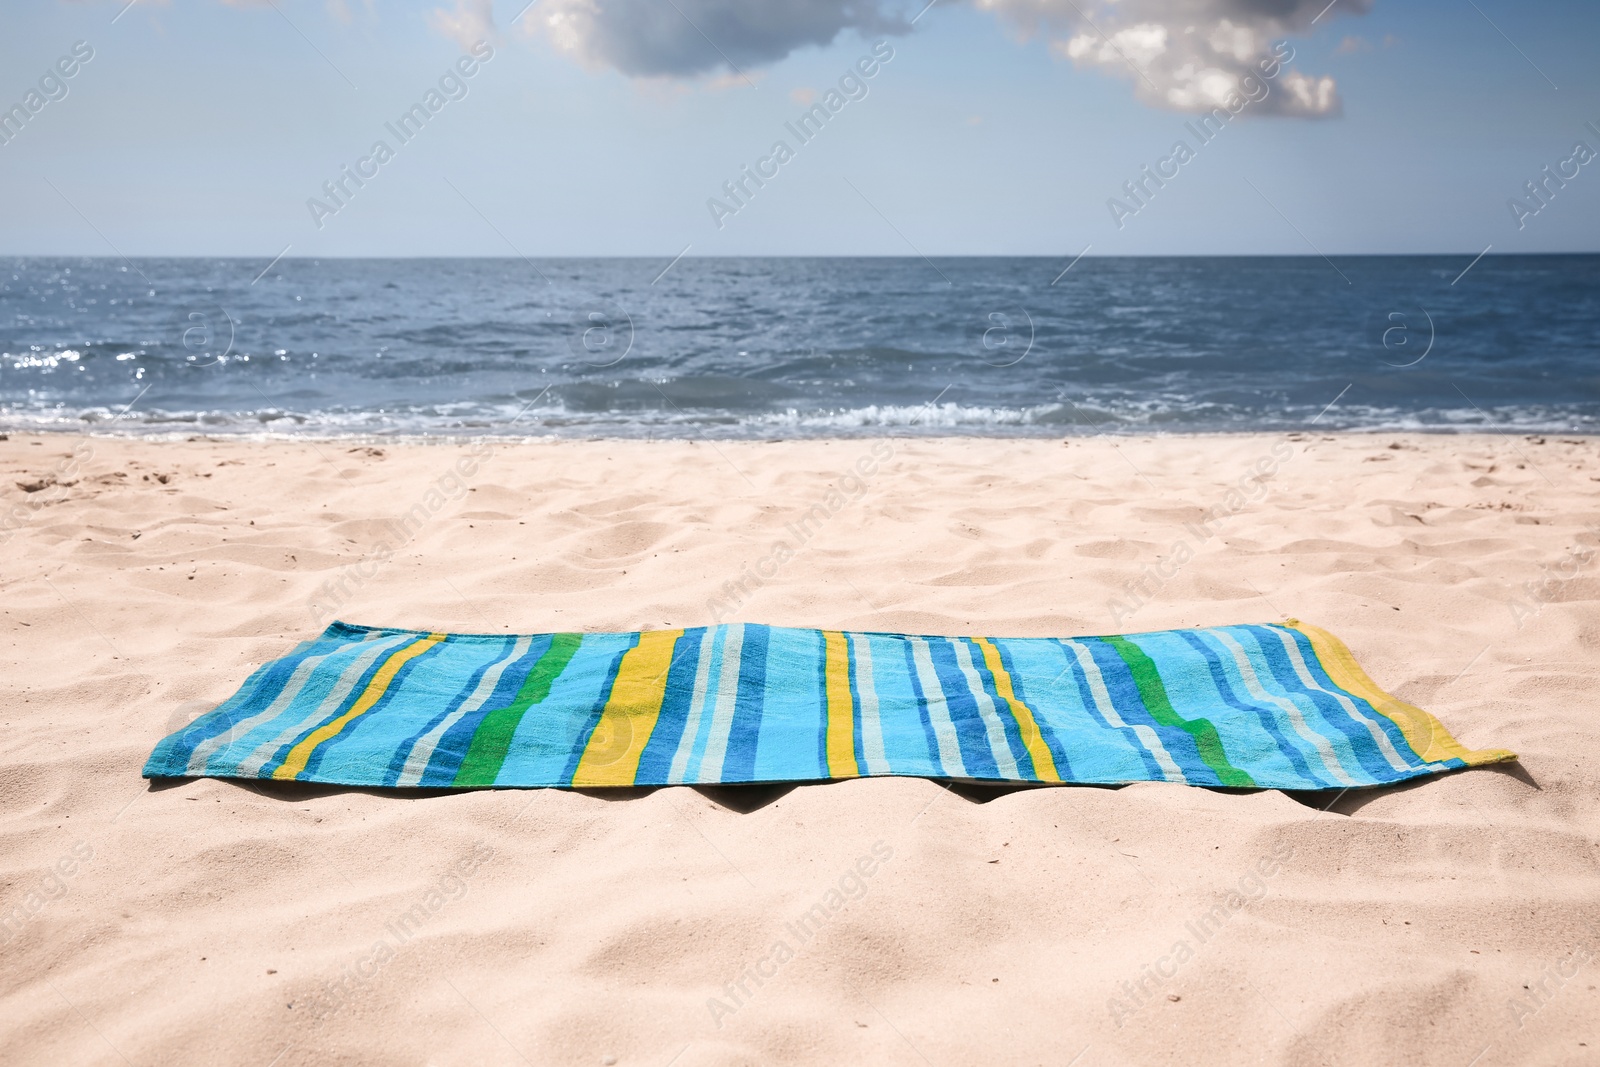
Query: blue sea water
{"points": [[792, 347]]}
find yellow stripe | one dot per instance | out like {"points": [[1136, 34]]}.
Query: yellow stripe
{"points": [[1426, 735], [841, 709], [300, 755], [611, 756], [1043, 763]]}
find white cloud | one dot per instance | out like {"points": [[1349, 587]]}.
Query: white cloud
{"points": [[651, 38], [1184, 55], [471, 21]]}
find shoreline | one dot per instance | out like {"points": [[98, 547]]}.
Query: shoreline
{"points": [[466, 437]]}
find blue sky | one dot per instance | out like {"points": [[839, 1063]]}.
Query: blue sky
{"points": [[202, 128]]}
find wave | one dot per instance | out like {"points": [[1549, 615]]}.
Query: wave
{"points": [[514, 420]]}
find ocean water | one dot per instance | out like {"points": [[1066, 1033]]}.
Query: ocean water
{"points": [[792, 347]]}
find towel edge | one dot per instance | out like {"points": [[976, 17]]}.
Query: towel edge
{"points": [[1424, 733]]}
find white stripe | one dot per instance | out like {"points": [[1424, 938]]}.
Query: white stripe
{"points": [[291, 689], [1291, 646], [297, 681], [996, 730], [1330, 760], [871, 726], [944, 730], [710, 769], [697, 702], [422, 751], [251, 766], [1102, 700]]}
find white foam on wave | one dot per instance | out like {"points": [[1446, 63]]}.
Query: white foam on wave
{"points": [[890, 416], [510, 420]]}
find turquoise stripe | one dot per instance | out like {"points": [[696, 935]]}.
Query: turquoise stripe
{"points": [[795, 707], [905, 739], [1330, 712], [452, 668], [1177, 743], [1391, 731], [549, 740], [267, 743], [705, 720], [1023, 687], [1189, 685], [175, 752], [1101, 751], [1275, 676]]}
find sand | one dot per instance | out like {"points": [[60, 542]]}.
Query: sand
{"points": [[210, 922]]}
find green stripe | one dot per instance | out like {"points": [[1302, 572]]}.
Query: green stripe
{"points": [[1154, 695], [492, 739]]}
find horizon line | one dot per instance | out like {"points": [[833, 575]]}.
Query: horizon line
{"points": [[807, 255]]}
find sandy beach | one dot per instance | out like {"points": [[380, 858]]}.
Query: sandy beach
{"points": [[1454, 921]]}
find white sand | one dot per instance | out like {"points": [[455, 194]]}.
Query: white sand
{"points": [[209, 922]]}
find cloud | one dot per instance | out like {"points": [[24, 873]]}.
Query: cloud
{"points": [[678, 38], [1183, 55], [471, 21]]}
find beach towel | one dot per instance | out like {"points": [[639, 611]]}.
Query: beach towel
{"points": [[1280, 706]]}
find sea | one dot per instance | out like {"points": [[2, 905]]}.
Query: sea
{"points": [[773, 348]]}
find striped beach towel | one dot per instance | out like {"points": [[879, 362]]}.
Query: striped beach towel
{"points": [[1272, 706]]}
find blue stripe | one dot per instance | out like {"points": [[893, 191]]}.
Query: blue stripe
{"points": [[921, 700], [970, 732], [1125, 697], [596, 711], [1350, 741], [1113, 765], [173, 752], [655, 762], [900, 714], [373, 720], [1388, 726], [452, 748], [739, 761], [1287, 742], [403, 748], [364, 680], [1009, 728], [1025, 695]]}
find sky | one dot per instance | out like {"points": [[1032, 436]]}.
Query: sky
{"points": [[610, 127]]}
